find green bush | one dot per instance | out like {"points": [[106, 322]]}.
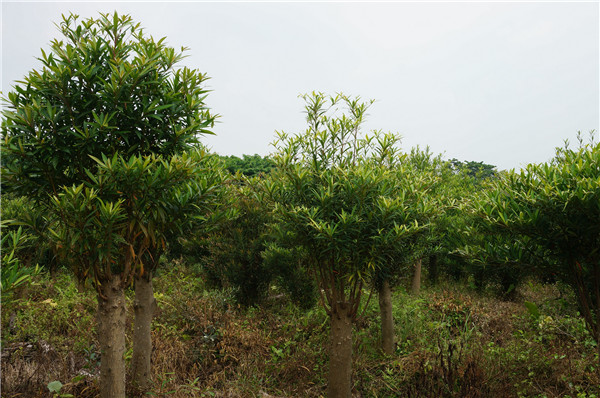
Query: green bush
{"points": [[14, 274], [234, 250], [21, 212]]}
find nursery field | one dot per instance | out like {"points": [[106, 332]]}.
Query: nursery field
{"points": [[138, 262], [452, 341]]}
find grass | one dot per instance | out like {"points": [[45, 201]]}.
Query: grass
{"points": [[452, 342]]}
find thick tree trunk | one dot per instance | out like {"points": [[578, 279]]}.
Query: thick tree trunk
{"points": [[433, 269], [111, 335], [387, 319], [416, 282], [340, 357], [144, 306]]}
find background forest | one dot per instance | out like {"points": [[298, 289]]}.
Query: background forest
{"points": [[135, 262]]}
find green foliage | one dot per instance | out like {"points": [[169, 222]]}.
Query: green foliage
{"points": [[446, 189], [89, 236], [419, 187], [55, 387], [14, 274], [497, 257], [54, 311], [556, 207], [478, 170], [234, 253], [117, 223], [93, 136], [249, 165], [235, 247], [22, 212], [487, 255], [104, 88], [532, 308], [337, 197], [203, 334], [291, 274]]}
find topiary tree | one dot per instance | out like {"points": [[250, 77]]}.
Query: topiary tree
{"points": [[91, 136], [335, 199], [555, 206]]}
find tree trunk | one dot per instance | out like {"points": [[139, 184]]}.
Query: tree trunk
{"points": [[144, 306], [111, 335], [340, 357], [387, 319], [433, 269], [416, 282], [80, 286]]}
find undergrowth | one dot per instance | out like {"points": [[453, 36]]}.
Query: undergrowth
{"points": [[451, 342]]}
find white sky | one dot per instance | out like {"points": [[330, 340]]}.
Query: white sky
{"points": [[502, 83]]}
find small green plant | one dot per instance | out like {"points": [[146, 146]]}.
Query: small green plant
{"points": [[14, 273], [55, 387], [162, 385], [532, 309], [279, 354]]}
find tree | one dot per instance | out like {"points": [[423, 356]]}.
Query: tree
{"points": [[335, 199], [181, 203], [238, 255], [22, 213], [556, 206], [431, 188], [454, 226], [478, 170], [92, 137], [500, 257], [235, 247], [249, 165], [415, 183]]}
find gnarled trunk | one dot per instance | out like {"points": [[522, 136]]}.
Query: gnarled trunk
{"points": [[416, 282], [144, 306], [111, 335], [387, 319], [340, 357]]}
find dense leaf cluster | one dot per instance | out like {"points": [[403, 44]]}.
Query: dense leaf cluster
{"points": [[104, 88], [93, 136], [119, 221], [338, 197], [555, 206], [248, 165]]}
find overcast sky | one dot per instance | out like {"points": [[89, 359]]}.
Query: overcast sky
{"points": [[502, 83]]}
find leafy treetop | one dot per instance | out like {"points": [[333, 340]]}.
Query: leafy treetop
{"points": [[474, 169], [338, 198], [104, 88], [249, 165]]}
